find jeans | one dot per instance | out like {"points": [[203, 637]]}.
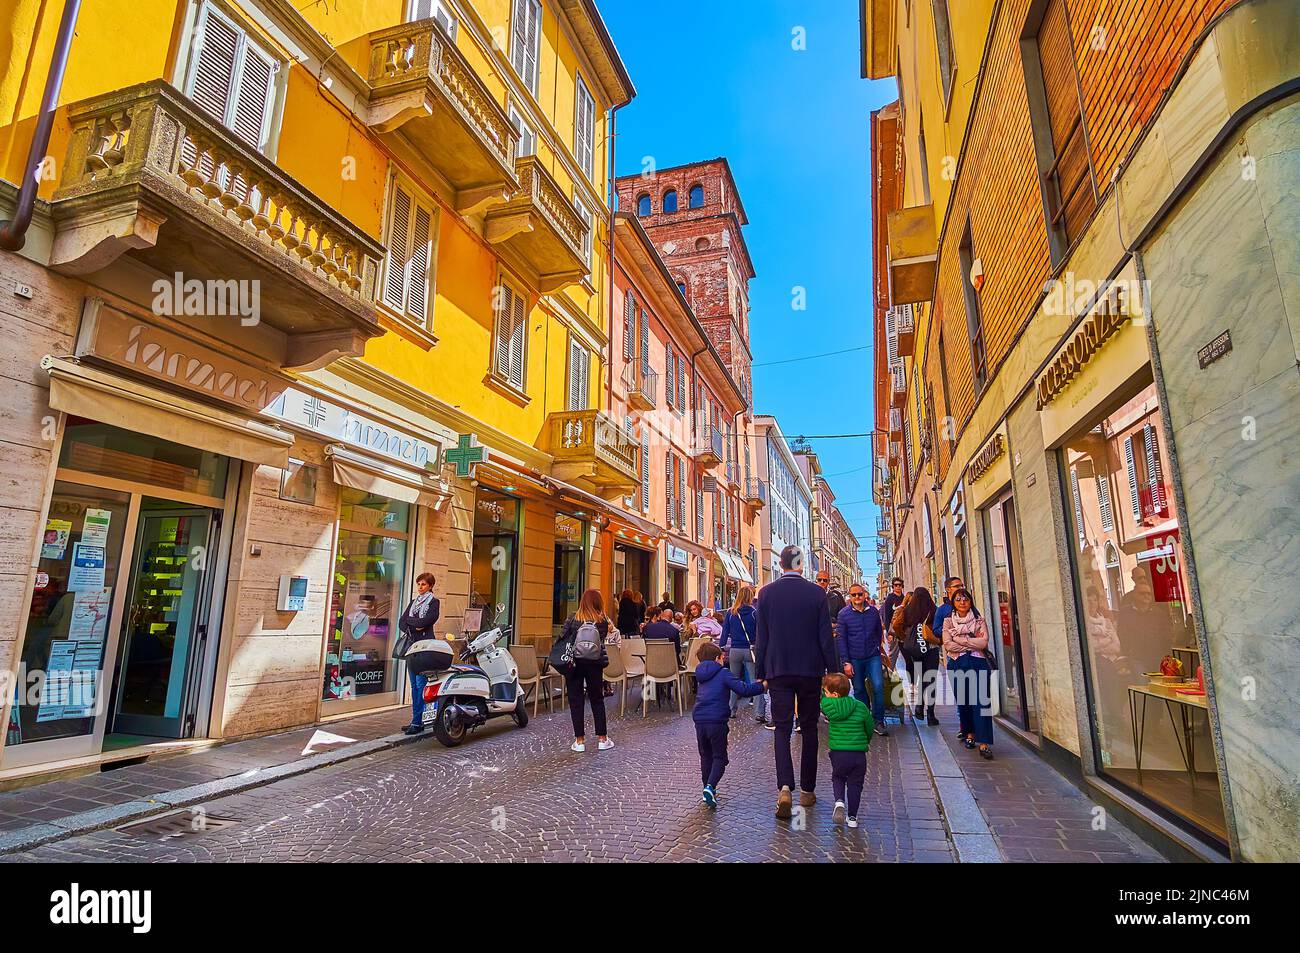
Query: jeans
{"points": [[741, 663], [873, 667], [585, 679], [711, 739], [848, 771], [785, 689], [973, 688], [417, 696], [963, 712]]}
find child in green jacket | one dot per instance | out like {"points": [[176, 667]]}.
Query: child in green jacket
{"points": [[851, 726]]}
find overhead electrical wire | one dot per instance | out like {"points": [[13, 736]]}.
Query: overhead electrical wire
{"points": [[813, 357]]}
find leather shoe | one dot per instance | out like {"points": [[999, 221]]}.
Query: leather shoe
{"points": [[807, 798], [784, 801]]}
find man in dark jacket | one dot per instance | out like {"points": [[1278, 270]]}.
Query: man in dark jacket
{"points": [[794, 650], [892, 601], [712, 709], [663, 628], [835, 601], [860, 635]]}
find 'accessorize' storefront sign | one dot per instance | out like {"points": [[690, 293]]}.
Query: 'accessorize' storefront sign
{"points": [[985, 458], [1107, 317]]}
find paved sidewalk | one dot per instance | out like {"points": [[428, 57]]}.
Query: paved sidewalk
{"points": [[1033, 812], [57, 802]]}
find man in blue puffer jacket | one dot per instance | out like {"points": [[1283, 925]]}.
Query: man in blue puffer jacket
{"points": [[860, 635], [712, 710]]}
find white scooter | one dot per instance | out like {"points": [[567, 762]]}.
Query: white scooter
{"points": [[460, 696]]}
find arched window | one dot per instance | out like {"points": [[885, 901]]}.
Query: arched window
{"points": [[697, 196], [670, 200], [643, 206]]}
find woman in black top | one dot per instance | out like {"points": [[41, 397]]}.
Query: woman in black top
{"points": [[922, 656], [629, 614], [585, 677], [417, 621]]}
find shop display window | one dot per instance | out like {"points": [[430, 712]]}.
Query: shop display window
{"points": [[1145, 685]]}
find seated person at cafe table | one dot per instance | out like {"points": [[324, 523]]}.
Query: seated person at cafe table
{"points": [[662, 628]]}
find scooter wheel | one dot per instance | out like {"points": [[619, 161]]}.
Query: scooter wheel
{"points": [[449, 727]]}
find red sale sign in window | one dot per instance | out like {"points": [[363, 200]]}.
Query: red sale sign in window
{"points": [[1166, 580]]}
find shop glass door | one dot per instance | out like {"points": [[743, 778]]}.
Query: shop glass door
{"points": [[570, 569], [58, 693], [1016, 668], [493, 561], [164, 629]]}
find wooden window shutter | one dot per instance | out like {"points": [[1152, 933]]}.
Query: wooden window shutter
{"points": [[518, 329], [578, 376], [1074, 201], [251, 118], [681, 382], [629, 325], [519, 38], [584, 127], [418, 266], [1134, 498], [645, 343], [645, 474], [216, 50], [699, 514], [399, 249], [1155, 479], [670, 487], [1103, 497], [1078, 508], [501, 340]]}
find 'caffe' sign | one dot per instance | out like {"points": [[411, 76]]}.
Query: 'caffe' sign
{"points": [[1109, 315]]}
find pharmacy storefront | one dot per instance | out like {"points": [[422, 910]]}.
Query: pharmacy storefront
{"points": [[119, 640]]}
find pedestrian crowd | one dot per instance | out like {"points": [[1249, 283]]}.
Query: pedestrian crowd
{"points": [[802, 651]]}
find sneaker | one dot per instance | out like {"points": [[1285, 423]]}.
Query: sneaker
{"points": [[578, 746], [709, 797], [784, 804], [882, 731], [412, 729], [853, 822], [762, 721], [770, 726], [807, 798], [931, 720], [604, 745], [919, 712], [798, 730], [837, 815]]}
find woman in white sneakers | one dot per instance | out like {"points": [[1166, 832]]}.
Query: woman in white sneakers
{"points": [[584, 678]]}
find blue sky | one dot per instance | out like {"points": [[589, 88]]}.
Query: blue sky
{"points": [[721, 77]]}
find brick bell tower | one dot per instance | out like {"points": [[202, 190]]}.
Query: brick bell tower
{"points": [[694, 215]]}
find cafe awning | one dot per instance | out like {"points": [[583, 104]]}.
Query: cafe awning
{"points": [[734, 567], [85, 391], [361, 471]]}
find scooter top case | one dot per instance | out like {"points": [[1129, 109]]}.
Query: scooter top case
{"points": [[429, 656]]}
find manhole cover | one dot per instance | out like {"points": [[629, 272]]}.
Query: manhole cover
{"points": [[191, 823]]}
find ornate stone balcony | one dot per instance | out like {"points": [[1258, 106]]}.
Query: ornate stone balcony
{"points": [[421, 84], [151, 175], [590, 448], [542, 227]]}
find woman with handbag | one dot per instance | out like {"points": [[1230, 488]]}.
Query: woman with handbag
{"points": [[416, 624], [966, 640], [738, 631], [920, 647], [584, 677]]}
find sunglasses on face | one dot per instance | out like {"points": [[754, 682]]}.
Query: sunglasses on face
{"points": [[857, 595]]}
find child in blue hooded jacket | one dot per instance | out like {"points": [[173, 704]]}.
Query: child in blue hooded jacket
{"points": [[712, 710]]}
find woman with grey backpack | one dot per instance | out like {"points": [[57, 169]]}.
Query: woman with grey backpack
{"points": [[581, 660]]}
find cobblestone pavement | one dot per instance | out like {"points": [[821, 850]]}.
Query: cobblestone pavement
{"points": [[68, 796], [511, 794], [1035, 814]]}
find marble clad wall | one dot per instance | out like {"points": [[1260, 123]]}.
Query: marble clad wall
{"points": [[1229, 258], [1046, 619]]}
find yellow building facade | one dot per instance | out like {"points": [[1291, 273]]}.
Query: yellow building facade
{"points": [[310, 302]]}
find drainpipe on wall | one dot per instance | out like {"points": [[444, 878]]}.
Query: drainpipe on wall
{"points": [[13, 232]]}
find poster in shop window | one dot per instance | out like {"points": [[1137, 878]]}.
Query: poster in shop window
{"points": [[1166, 580], [94, 527], [87, 571], [55, 542]]}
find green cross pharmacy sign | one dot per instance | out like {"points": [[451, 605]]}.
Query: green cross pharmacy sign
{"points": [[465, 455]]}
